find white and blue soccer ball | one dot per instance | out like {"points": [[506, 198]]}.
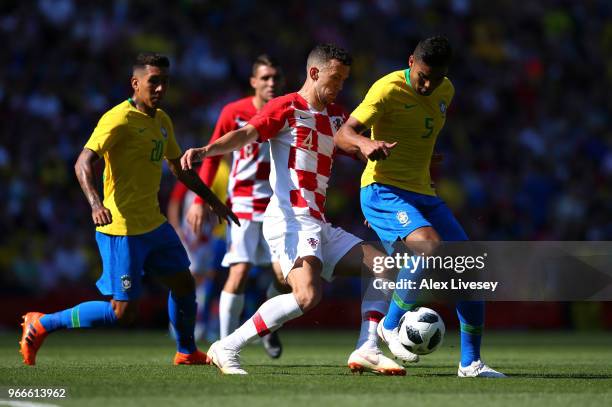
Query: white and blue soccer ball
{"points": [[421, 330]]}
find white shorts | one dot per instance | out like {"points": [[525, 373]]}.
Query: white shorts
{"points": [[205, 257], [203, 253], [246, 244], [292, 238]]}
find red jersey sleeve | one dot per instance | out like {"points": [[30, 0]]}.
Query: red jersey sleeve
{"points": [[210, 165], [338, 116], [178, 192], [272, 118]]}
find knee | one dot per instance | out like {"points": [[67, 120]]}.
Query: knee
{"points": [[429, 247], [237, 278], [425, 241], [308, 297], [125, 311]]}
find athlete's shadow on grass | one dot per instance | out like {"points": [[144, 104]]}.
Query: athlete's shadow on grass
{"points": [[297, 370], [574, 376], [578, 376], [294, 370], [290, 366]]}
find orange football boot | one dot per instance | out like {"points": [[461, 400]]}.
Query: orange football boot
{"points": [[195, 358], [32, 337]]}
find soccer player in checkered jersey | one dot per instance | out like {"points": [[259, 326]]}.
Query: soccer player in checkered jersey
{"points": [[300, 128], [249, 193], [408, 107]]}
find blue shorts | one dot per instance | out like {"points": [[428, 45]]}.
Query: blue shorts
{"points": [[126, 258], [394, 213]]}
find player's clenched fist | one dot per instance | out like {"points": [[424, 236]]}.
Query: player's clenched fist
{"points": [[193, 155], [376, 150], [101, 216]]}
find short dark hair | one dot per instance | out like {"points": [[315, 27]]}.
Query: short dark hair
{"points": [[434, 51], [152, 59], [263, 60], [324, 53]]}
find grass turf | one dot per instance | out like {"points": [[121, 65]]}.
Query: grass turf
{"points": [[130, 368]]}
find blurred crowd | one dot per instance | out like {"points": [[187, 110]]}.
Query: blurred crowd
{"points": [[527, 144]]}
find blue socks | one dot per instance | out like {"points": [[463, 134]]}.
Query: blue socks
{"points": [[92, 314], [470, 313], [85, 315], [182, 313], [209, 292], [471, 319], [403, 299]]}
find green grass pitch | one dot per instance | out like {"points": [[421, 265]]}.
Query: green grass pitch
{"points": [[133, 368]]}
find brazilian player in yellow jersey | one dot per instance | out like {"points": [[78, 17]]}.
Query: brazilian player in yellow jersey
{"points": [[405, 111], [133, 236]]}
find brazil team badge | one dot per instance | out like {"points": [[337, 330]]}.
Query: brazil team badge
{"points": [[402, 218], [442, 107], [126, 282]]}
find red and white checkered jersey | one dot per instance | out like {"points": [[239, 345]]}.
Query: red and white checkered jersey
{"points": [[249, 183], [302, 151], [180, 193]]}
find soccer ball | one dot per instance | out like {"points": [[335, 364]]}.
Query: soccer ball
{"points": [[421, 330]]}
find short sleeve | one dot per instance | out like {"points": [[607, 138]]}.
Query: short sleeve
{"points": [[373, 105], [271, 118], [210, 165], [172, 149], [451, 92], [105, 135]]}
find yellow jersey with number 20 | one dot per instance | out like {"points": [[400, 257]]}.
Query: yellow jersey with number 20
{"points": [[396, 112], [133, 145]]}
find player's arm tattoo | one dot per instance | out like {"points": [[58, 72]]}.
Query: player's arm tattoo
{"points": [[192, 181], [84, 169], [358, 127]]}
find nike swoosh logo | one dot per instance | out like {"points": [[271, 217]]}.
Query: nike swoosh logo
{"points": [[371, 359], [409, 106], [303, 118]]}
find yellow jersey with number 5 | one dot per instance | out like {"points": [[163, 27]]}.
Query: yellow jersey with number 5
{"points": [[394, 111], [133, 145]]}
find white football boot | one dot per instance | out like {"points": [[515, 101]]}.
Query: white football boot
{"points": [[227, 360], [373, 360], [479, 369], [391, 338]]}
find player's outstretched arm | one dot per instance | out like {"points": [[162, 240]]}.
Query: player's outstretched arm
{"points": [[85, 174], [349, 139], [193, 182], [232, 141]]}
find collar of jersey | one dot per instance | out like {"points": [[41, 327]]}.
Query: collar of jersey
{"points": [[407, 76], [133, 107], [310, 108]]}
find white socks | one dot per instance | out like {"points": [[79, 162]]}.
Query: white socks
{"points": [[230, 309], [269, 317], [374, 305], [368, 338]]}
